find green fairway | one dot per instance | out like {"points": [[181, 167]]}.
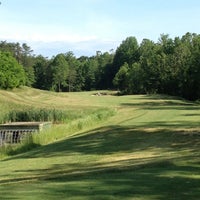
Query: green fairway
{"points": [[150, 149]]}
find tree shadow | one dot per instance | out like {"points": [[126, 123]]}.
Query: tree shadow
{"points": [[152, 180], [191, 115], [114, 139], [162, 102], [166, 105], [154, 177], [162, 97]]}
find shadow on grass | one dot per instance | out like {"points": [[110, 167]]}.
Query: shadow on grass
{"points": [[161, 102], [151, 180], [119, 139], [155, 177], [167, 105], [170, 172], [162, 97]]}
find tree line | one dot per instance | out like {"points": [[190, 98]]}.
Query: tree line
{"points": [[168, 66]]}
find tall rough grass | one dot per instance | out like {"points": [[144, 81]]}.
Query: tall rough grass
{"points": [[13, 149], [3, 112], [65, 130], [5, 108], [42, 114], [76, 123]]}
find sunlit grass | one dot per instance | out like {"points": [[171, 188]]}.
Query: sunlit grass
{"points": [[149, 149]]}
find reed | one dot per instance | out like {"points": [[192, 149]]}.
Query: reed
{"points": [[58, 131]]}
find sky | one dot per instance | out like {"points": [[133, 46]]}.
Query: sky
{"points": [[50, 27]]}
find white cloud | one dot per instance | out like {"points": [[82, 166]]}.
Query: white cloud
{"points": [[45, 35], [50, 41], [81, 48]]}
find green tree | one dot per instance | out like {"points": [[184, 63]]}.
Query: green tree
{"points": [[195, 69], [82, 73], [59, 69], [42, 70], [136, 79], [11, 73], [103, 79], [73, 64], [90, 69], [23, 55], [191, 67], [149, 61], [121, 78], [126, 52], [27, 60]]}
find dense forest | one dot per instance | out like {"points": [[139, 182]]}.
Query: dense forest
{"points": [[168, 66]]}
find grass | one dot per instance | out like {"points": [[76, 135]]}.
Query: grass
{"points": [[148, 150], [54, 115]]}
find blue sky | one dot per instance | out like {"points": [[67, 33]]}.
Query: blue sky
{"points": [[86, 26]]}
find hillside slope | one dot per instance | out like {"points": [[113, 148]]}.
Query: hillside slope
{"points": [[149, 150]]}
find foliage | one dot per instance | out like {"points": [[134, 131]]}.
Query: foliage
{"points": [[120, 79], [11, 73], [59, 68], [168, 66], [23, 55], [126, 52], [42, 73]]}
